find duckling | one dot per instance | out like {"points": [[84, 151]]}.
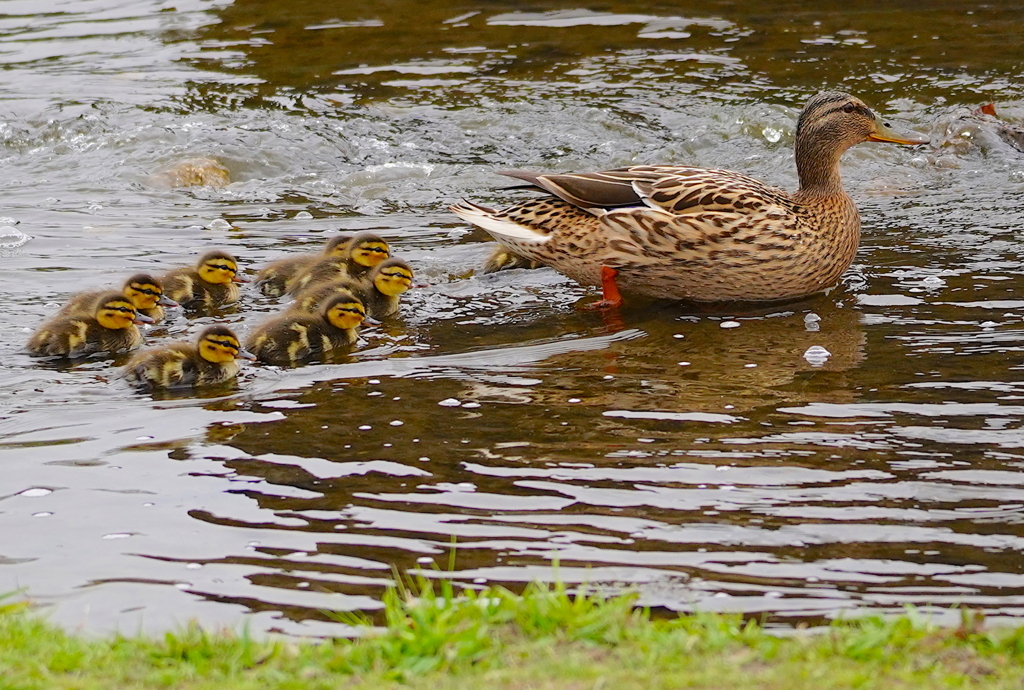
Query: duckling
{"points": [[364, 251], [273, 278], [212, 283], [111, 328], [211, 360], [296, 338], [379, 291], [142, 290]]}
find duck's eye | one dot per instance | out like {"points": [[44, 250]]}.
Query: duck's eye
{"points": [[849, 108]]}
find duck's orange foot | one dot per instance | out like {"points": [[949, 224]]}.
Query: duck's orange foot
{"points": [[602, 305], [609, 290]]}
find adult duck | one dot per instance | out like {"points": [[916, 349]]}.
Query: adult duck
{"points": [[698, 234]]}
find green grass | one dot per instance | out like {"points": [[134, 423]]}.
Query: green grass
{"points": [[439, 638]]}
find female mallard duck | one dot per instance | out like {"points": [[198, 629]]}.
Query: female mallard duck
{"points": [[362, 252], [379, 291], [111, 328], [211, 284], [697, 234], [142, 290], [211, 360], [273, 278], [296, 338]]}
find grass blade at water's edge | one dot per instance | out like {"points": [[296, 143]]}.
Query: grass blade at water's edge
{"points": [[436, 637]]}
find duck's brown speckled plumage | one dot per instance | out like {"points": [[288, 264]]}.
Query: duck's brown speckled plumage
{"points": [[681, 232]]}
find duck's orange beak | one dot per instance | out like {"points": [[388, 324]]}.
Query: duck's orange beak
{"points": [[885, 133]]}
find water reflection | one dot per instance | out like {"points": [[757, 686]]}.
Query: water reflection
{"points": [[856, 449]]}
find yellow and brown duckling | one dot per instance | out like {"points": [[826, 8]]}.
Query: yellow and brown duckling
{"points": [[681, 232], [212, 359], [111, 328], [142, 290], [379, 291], [273, 278], [298, 338], [213, 282], [361, 253]]}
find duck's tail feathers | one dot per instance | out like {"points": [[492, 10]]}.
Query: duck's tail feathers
{"points": [[501, 227]]}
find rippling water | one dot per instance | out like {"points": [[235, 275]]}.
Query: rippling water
{"points": [[862, 449]]}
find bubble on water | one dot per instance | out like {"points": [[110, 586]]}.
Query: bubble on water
{"points": [[645, 440], [182, 585], [749, 366], [424, 560], [471, 404], [449, 402], [11, 237], [609, 377], [365, 427], [424, 459], [773, 595], [678, 335], [479, 580], [373, 382], [721, 595], [816, 355], [397, 422], [117, 535], [303, 585], [44, 513], [193, 566], [771, 134], [989, 324], [303, 215], [36, 492], [218, 224], [575, 400], [684, 364], [730, 324], [933, 281]]}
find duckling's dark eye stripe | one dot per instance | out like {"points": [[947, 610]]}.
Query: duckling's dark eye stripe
{"points": [[147, 291], [379, 250], [223, 267], [224, 343], [396, 274], [351, 310]]}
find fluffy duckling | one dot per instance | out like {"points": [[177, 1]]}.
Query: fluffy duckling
{"points": [[111, 328], [379, 291], [273, 278], [363, 251], [296, 338], [212, 283], [210, 360], [142, 290]]}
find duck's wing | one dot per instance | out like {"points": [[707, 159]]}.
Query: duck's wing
{"points": [[697, 190], [596, 191]]}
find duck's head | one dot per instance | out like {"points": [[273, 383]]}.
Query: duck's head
{"points": [[343, 310], [366, 249], [846, 120], [219, 268], [145, 292], [392, 277], [218, 344], [337, 246], [116, 312]]}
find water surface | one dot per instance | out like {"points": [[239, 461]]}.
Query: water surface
{"points": [[860, 450]]}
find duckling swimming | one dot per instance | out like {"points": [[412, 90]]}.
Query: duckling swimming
{"points": [[111, 328], [211, 284], [142, 290], [273, 278], [297, 338], [379, 291], [210, 360], [364, 251]]}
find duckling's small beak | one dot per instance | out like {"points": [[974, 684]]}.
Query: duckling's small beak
{"points": [[420, 285], [142, 318], [245, 354], [166, 301], [239, 278], [884, 132], [370, 321]]}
